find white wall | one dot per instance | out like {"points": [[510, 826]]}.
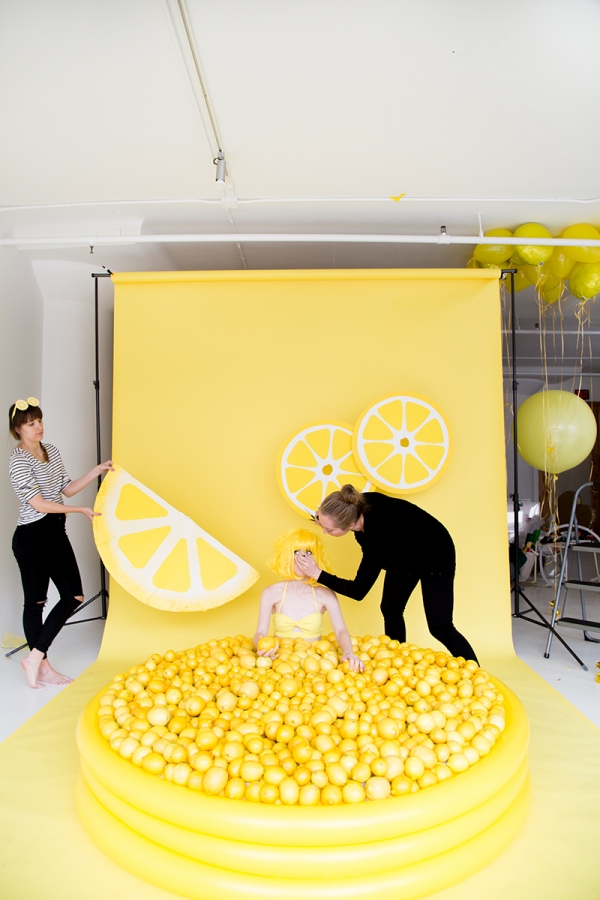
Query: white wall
{"points": [[21, 328], [68, 374]]}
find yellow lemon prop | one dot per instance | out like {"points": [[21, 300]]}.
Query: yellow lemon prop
{"points": [[402, 444], [317, 461], [158, 554], [556, 430]]}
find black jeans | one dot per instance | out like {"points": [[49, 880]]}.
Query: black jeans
{"points": [[44, 553], [438, 601]]}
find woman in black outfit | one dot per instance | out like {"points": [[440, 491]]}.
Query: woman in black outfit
{"points": [[410, 545]]}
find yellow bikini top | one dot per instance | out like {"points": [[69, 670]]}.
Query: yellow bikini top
{"points": [[310, 626]]}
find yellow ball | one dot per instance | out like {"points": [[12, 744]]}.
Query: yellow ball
{"points": [[584, 280], [532, 255], [494, 253], [582, 254], [556, 430]]}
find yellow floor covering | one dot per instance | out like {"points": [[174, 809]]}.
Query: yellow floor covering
{"points": [[45, 852]]}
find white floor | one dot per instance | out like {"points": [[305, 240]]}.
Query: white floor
{"points": [[77, 647]]}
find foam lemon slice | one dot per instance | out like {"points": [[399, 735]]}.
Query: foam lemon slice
{"points": [[158, 554], [316, 461], [402, 444]]}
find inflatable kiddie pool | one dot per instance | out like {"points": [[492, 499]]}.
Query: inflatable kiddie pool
{"points": [[202, 846]]}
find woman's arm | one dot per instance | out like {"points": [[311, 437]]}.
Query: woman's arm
{"points": [[78, 485], [264, 620], [332, 605], [47, 506], [357, 588]]}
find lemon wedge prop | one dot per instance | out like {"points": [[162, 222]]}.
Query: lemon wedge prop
{"points": [[316, 461], [158, 554], [402, 444]]}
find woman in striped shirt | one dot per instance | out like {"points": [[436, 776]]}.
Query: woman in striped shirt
{"points": [[40, 543]]}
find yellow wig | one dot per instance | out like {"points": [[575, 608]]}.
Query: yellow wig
{"points": [[282, 558]]}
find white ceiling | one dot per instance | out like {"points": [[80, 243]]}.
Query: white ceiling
{"points": [[465, 107]]}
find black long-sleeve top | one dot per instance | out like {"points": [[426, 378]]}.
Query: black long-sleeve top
{"points": [[397, 536]]}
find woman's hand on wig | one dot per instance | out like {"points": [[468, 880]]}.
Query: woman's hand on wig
{"points": [[356, 664], [307, 566]]}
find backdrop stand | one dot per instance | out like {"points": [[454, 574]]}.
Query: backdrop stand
{"points": [[518, 592], [103, 592]]}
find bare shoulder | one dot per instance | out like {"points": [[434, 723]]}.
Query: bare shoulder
{"points": [[324, 595], [272, 593]]}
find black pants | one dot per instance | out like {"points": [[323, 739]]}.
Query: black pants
{"points": [[44, 553], [438, 600]]}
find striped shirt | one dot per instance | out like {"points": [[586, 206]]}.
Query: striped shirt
{"points": [[30, 476]]}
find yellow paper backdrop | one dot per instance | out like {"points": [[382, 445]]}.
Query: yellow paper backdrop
{"points": [[214, 371]]}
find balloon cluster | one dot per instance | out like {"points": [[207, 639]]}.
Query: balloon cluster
{"points": [[547, 268]]}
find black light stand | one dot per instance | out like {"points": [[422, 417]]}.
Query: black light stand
{"points": [[103, 592], [519, 593]]}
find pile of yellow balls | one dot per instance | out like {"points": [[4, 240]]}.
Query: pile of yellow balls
{"points": [[303, 728]]}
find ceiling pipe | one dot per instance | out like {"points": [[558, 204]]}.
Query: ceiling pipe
{"points": [[252, 200], [442, 238]]}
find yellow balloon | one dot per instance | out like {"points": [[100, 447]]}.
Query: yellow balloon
{"points": [[548, 280], [582, 254], [532, 274], [584, 282], [560, 264], [552, 294], [494, 253], [531, 255], [521, 282], [472, 264], [556, 430]]}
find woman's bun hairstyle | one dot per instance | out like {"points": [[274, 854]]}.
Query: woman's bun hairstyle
{"points": [[349, 494], [345, 506]]}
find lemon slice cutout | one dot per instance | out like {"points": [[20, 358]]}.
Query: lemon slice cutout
{"points": [[316, 461], [402, 444], [158, 554]]}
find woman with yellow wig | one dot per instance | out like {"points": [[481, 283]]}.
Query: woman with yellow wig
{"points": [[297, 604]]}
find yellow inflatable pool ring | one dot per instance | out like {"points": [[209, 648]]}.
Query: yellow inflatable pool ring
{"points": [[203, 847]]}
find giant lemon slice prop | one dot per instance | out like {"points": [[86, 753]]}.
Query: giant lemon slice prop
{"points": [[402, 444], [317, 461], [158, 554]]}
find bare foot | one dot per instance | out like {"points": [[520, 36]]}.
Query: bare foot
{"points": [[31, 664], [48, 675]]}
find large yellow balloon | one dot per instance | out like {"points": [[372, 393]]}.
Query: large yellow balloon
{"points": [[560, 264], [494, 253], [531, 255], [583, 254], [556, 430], [584, 282]]}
